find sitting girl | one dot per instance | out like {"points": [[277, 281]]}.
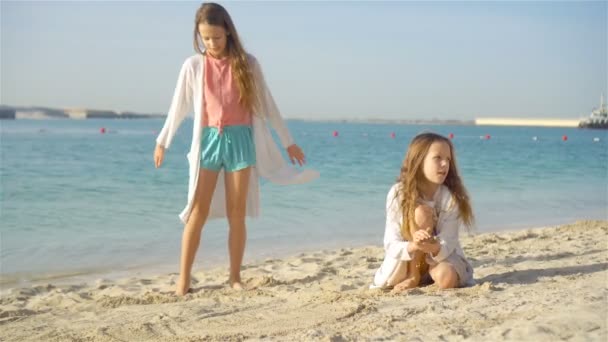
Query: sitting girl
{"points": [[424, 211]]}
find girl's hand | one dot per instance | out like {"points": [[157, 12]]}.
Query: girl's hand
{"points": [[159, 155], [295, 154], [421, 235]]}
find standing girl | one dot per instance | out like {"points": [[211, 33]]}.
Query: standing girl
{"points": [[231, 142], [430, 200]]}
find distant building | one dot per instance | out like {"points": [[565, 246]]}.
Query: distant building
{"points": [[7, 114], [76, 113], [81, 113], [526, 122], [598, 117]]}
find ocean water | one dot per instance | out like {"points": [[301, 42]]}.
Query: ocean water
{"points": [[75, 201]]}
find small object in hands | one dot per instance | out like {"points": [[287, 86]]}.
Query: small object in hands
{"points": [[432, 239]]}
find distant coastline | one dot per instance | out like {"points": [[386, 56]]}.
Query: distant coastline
{"points": [[44, 113], [41, 113], [10, 112]]}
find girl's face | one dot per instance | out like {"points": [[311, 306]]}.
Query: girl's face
{"points": [[214, 38], [436, 163]]}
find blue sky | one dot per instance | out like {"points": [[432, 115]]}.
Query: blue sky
{"points": [[393, 60]]}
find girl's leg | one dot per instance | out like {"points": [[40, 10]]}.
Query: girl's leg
{"points": [[444, 275], [237, 185], [399, 273], [192, 230], [423, 218]]}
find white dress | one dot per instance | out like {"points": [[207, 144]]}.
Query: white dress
{"points": [[448, 226]]}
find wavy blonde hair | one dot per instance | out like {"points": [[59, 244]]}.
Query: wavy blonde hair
{"points": [[214, 14], [412, 174]]}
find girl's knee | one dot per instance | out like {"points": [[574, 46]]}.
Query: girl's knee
{"points": [[446, 278], [198, 215], [236, 218], [236, 211], [448, 283], [423, 215]]}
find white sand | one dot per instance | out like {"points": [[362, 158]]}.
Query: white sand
{"points": [[543, 284]]}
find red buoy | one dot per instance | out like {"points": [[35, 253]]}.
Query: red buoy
{"points": [[451, 135], [393, 135], [488, 137], [335, 133], [102, 130], [565, 137]]}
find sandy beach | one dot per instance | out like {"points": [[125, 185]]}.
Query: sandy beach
{"points": [[542, 284]]}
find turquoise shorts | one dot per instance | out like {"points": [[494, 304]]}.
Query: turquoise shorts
{"points": [[231, 149]]}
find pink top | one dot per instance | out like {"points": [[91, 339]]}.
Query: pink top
{"points": [[221, 96]]}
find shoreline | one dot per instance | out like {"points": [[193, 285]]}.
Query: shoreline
{"points": [[88, 275], [529, 285]]}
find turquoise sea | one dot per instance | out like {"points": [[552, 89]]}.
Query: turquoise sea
{"points": [[75, 201]]}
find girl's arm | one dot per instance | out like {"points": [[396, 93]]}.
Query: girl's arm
{"points": [[269, 107], [180, 105], [394, 244]]}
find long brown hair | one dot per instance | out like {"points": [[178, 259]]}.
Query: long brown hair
{"points": [[412, 174], [214, 14]]}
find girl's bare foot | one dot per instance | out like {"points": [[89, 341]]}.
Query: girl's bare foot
{"points": [[407, 284], [412, 280], [235, 284], [181, 289]]}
